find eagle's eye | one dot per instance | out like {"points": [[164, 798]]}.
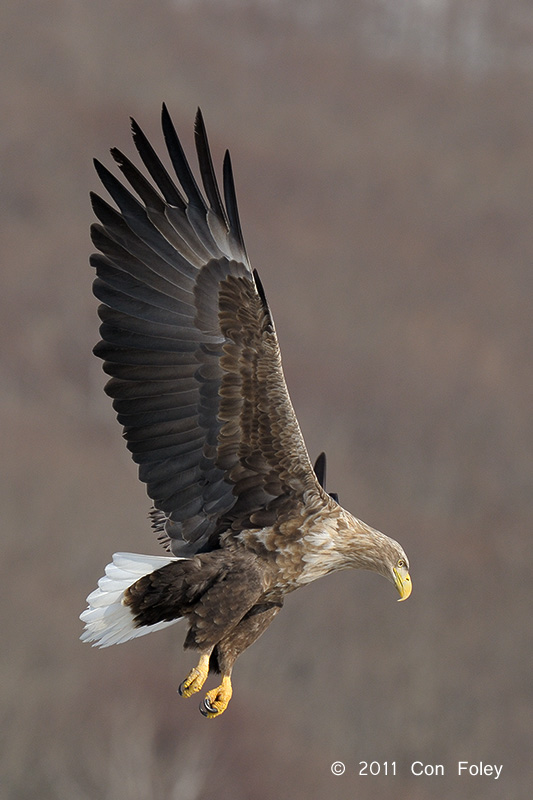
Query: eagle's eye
{"points": [[401, 563]]}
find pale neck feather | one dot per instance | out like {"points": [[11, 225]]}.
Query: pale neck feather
{"points": [[341, 541]]}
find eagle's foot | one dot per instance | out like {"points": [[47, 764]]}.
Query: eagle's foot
{"points": [[216, 700], [196, 678]]}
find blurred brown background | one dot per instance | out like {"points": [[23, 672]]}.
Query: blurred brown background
{"points": [[383, 154]]}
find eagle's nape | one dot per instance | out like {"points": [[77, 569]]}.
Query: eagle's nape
{"points": [[190, 348]]}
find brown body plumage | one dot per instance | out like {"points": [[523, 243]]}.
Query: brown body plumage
{"points": [[197, 382]]}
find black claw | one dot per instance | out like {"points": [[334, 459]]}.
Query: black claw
{"points": [[206, 707], [181, 689]]}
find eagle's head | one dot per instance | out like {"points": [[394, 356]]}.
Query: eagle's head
{"points": [[370, 549], [394, 564]]}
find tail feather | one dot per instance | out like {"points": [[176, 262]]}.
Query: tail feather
{"points": [[107, 620]]}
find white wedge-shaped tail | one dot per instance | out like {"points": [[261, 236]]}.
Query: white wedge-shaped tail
{"points": [[107, 620]]}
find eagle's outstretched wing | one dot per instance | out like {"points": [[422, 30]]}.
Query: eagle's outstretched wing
{"points": [[190, 345]]}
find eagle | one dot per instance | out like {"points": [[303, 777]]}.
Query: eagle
{"points": [[189, 343]]}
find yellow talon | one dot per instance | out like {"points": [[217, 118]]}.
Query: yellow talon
{"points": [[216, 701], [196, 678]]}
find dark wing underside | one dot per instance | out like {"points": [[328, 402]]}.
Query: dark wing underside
{"points": [[190, 346]]}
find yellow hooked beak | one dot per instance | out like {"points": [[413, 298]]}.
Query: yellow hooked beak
{"points": [[402, 579]]}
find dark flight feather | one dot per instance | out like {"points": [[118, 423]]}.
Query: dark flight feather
{"points": [[156, 169]]}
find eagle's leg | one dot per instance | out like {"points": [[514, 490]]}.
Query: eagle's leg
{"points": [[196, 677], [249, 629]]}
